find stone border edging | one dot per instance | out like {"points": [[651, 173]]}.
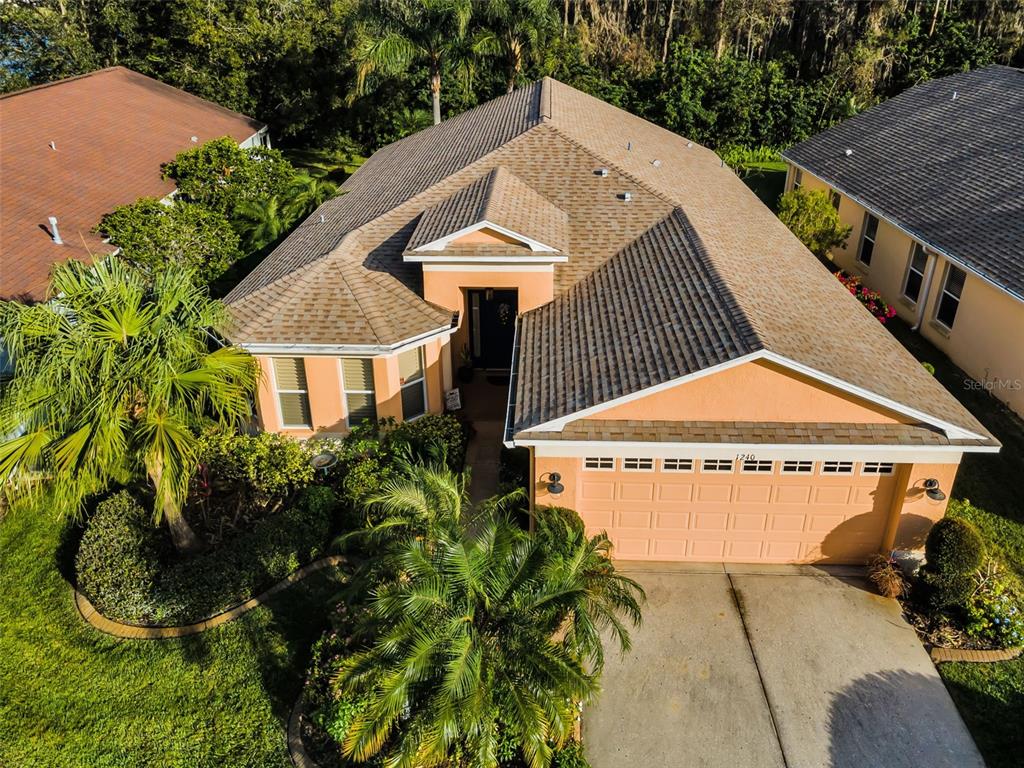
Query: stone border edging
{"points": [[93, 617], [296, 747], [940, 655]]}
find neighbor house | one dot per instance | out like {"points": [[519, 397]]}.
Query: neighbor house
{"points": [[73, 150], [683, 372], [932, 183]]}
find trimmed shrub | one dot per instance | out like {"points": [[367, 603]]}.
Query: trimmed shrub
{"points": [[118, 559], [120, 571], [268, 466], [954, 550], [432, 436]]}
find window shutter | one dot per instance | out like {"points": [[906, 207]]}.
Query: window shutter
{"points": [[290, 373], [358, 373], [410, 365], [292, 392]]}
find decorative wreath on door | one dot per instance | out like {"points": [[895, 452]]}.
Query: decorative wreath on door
{"points": [[504, 313]]}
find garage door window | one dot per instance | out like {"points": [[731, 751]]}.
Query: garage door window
{"points": [[716, 465], [637, 465], [876, 468], [837, 468], [677, 465], [604, 463], [797, 467], [753, 465]]}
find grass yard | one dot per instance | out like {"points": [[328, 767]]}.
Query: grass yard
{"points": [[767, 180], [72, 696], [990, 696]]}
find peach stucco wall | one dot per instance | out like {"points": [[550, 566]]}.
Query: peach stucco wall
{"points": [[326, 396], [447, 288], [918, 513], [754, 391], [485, 236], [986, 338]]}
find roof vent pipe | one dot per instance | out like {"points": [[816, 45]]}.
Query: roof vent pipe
{"points": [[54, 232], [602, 172], [954, 95], [626, 196], [53, 145]]}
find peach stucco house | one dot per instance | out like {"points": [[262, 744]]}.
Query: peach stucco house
{"points": [[932, 183], [682, 370]]}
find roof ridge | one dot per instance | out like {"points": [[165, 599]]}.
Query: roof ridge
{"points": [[61, 81]]}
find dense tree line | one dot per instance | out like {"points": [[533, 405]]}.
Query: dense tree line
{"points": [[333, 72]]}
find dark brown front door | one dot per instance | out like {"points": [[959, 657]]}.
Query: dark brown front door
{"points": [[492, 325]]}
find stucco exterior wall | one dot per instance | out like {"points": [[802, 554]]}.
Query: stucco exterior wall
{"points": [[987, 338], [447, 288], [754, 391], [326, 393]]}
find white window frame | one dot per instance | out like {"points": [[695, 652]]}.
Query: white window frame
{"points": [[910, 270], [345, 391], [758, 467], [599, 461], [865, 239], [688, 465], [801, 467], [717, 470], [879, 468], [422, 382], [842, 468], [944, 292], [641, 464], [798, 178], [278, 392]]}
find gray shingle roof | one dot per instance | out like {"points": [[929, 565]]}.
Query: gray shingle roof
{"points": [[656, 311], [500, 198], [945, 161]]}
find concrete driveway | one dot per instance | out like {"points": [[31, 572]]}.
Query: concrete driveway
{"points": [[794, 667]]}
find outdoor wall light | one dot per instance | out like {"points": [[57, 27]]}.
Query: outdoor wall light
{"points": [[555, 486], [932, 490]]}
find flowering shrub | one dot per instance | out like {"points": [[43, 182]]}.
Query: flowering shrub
{"points": [[870, 299], [991, 612]]}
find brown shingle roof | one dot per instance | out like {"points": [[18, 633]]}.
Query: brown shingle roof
{"points": [[112, 130], [688, 215], [498, 197]]}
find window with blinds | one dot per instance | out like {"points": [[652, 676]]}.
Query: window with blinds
{"points": [[292, 391], [414, 384], [357, 380]]}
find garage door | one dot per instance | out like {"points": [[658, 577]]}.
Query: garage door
{"points": [[751, 511]]}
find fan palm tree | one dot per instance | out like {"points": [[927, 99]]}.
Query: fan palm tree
{"points": [[261, 221], [516, 30], [483, 636], [112, 379], [398, 33]]}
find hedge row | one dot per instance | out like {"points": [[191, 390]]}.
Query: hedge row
{"points": [[125, 572]]}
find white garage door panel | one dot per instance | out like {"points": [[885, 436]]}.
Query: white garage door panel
{"points": [[736, 518]]}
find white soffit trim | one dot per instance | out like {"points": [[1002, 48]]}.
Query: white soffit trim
{"points": [[472, 265], [446, 258], [900, 454], [952, 431], [441, 243], [352, 350]]}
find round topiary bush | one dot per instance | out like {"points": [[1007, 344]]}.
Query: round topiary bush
{"points": [[118, 560], [954, 550]]}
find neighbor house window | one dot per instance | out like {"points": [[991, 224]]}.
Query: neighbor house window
{"points": [[798, 178], [599, 462], [915, 273], [677, 465], [876, 468], [357, 381], [835, 198], [867, 239], [292, 391], [638, 465], [949, 300], [837, 467], [794, 467], [414, 383], [754, 465], [716, 465]]}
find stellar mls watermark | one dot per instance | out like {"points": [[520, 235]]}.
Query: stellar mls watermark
{"points": [[995, 385]]}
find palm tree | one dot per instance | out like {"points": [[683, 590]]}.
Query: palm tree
{"points": [[261, 221], [481, 635], [112, 379], [398, 33], [307, 192], [517, 29]]}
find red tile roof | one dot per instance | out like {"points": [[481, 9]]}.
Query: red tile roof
{"points": [[112, 130]]}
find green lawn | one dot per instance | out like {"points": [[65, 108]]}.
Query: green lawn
{"points": [[70, 696], [990, 696]]}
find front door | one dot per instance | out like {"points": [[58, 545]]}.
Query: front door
{"points": [[492, 325]]}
